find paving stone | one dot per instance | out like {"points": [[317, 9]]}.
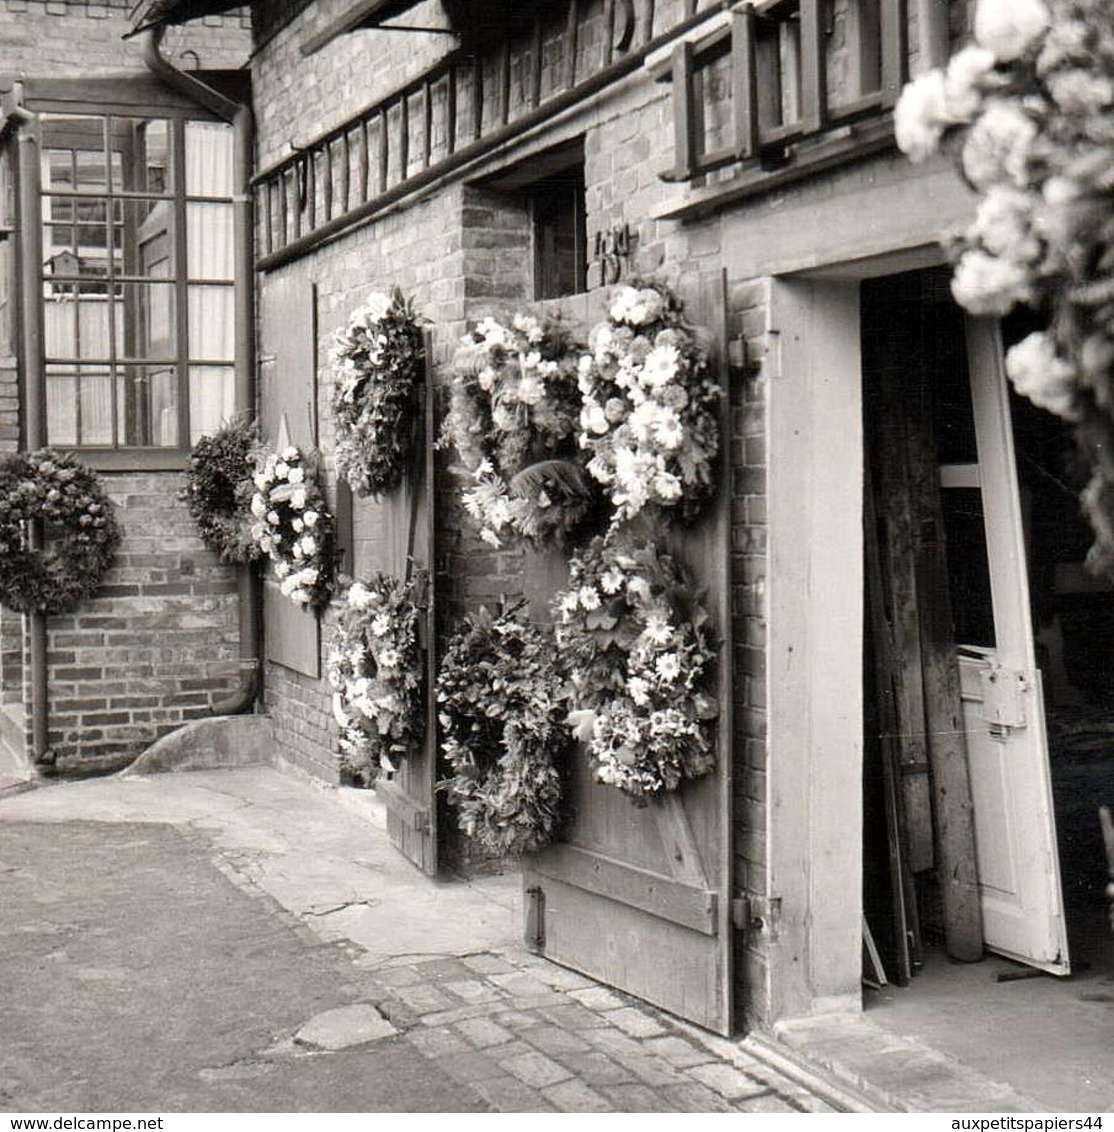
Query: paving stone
{"points": [[344, 1027], [677, 1051], [614, 1042], [597, 1068], [517, 1020], [694, 1097], [486, 964], [462, 1013], [635, 1022], [571, 1016], [507, 1094], [472, 990], [443, 969], [482, 1032], [535, 1069], [637, 1098], [560, 977], [552, 1039], [470, 1066], [769, 1102], [575, 1096], [423, 998], [649, 1069], [437, 1043], [728, 1081], [520, 985], [597, 998], [398, 976]]}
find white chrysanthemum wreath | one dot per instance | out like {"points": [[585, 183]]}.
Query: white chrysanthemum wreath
{"points": [[379, 364], [637, 644], [374, 665], [293, 526], [649, 417]]}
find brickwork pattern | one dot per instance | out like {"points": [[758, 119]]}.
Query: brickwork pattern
{"points": [[73, 38], [529, 1036], [157, 647]]}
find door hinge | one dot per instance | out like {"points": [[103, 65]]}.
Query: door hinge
{"points": [[535, 919], [1004, 692], [752, 915]]}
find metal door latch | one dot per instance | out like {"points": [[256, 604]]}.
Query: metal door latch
{"points": [[1004, 691]]}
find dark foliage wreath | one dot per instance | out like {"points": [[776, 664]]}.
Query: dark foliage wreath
{"points": [[500, 706], [80, 534], [219, 488]]}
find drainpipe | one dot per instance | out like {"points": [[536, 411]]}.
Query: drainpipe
{"points": [[239, 116], [34, 397]]}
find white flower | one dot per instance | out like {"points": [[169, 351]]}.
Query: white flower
{"points": [[310, 519], [1004, 224], [297, 525], [667, 487], [921, 116], [667, 429], [962, 81], [639, 690], [296, 475], [359, 596], [380, 625], [309, 545], [589, 597], [290, 453], [660, 366], [530, 327], [282, 570], [1039, 374], [531, 389], [486, 378], [1077, 91], [490, 537], [282, 469], [493, 333], [658, 630], [568, 603], [999, 145], [298, 498], [273, 518], [594, 420], [986, 284], [377, 307], [642, 420], [389, 658], [639, 589], [612, 581], [1010, 28], [258, 506], [668, 667]]}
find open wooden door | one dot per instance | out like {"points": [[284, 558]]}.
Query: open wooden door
{"points": [[639, 897], [1003, 709], [398, 538]]}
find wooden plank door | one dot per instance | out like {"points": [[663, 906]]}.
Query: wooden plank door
{"points": [[399, 540], [639, 897], [288, 415], [1003, 708]]}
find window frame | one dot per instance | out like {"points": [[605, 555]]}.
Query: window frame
{"points": [[133, 97]]}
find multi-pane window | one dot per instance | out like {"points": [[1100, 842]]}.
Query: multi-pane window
{"points": [[137, 279]]}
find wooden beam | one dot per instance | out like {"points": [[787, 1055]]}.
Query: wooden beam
{"points": [[894, 32], [689, 905], [745, 79], [684, 111], [814, 92], [362, 14]]}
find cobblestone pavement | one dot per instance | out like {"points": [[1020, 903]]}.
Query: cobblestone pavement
{"points": [[529, 1036], [428, 974]]}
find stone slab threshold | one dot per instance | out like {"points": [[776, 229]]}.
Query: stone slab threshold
{"points": [[889, 1071]]}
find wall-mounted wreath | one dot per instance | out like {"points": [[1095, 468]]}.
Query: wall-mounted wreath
{"points": [[513, 421], [379, 365], [219, 488], [499, 697], [293, 526], [374, 665], [649, 415], [79, 529], [636, 641]]}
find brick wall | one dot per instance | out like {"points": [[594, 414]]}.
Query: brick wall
{"points": [[83, 37], [156, 648]]}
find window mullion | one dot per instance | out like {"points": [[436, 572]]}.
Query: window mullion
{"points": [[181, 282]]}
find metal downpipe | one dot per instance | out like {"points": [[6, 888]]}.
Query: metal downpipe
{"points": [[239, 116]]}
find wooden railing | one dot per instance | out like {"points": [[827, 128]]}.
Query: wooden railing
{"points": [[462, 107], [777, 55]]}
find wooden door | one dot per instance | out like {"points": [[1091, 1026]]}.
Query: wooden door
{"points": [[395, 535], [1003, 708], [639, 897]]}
